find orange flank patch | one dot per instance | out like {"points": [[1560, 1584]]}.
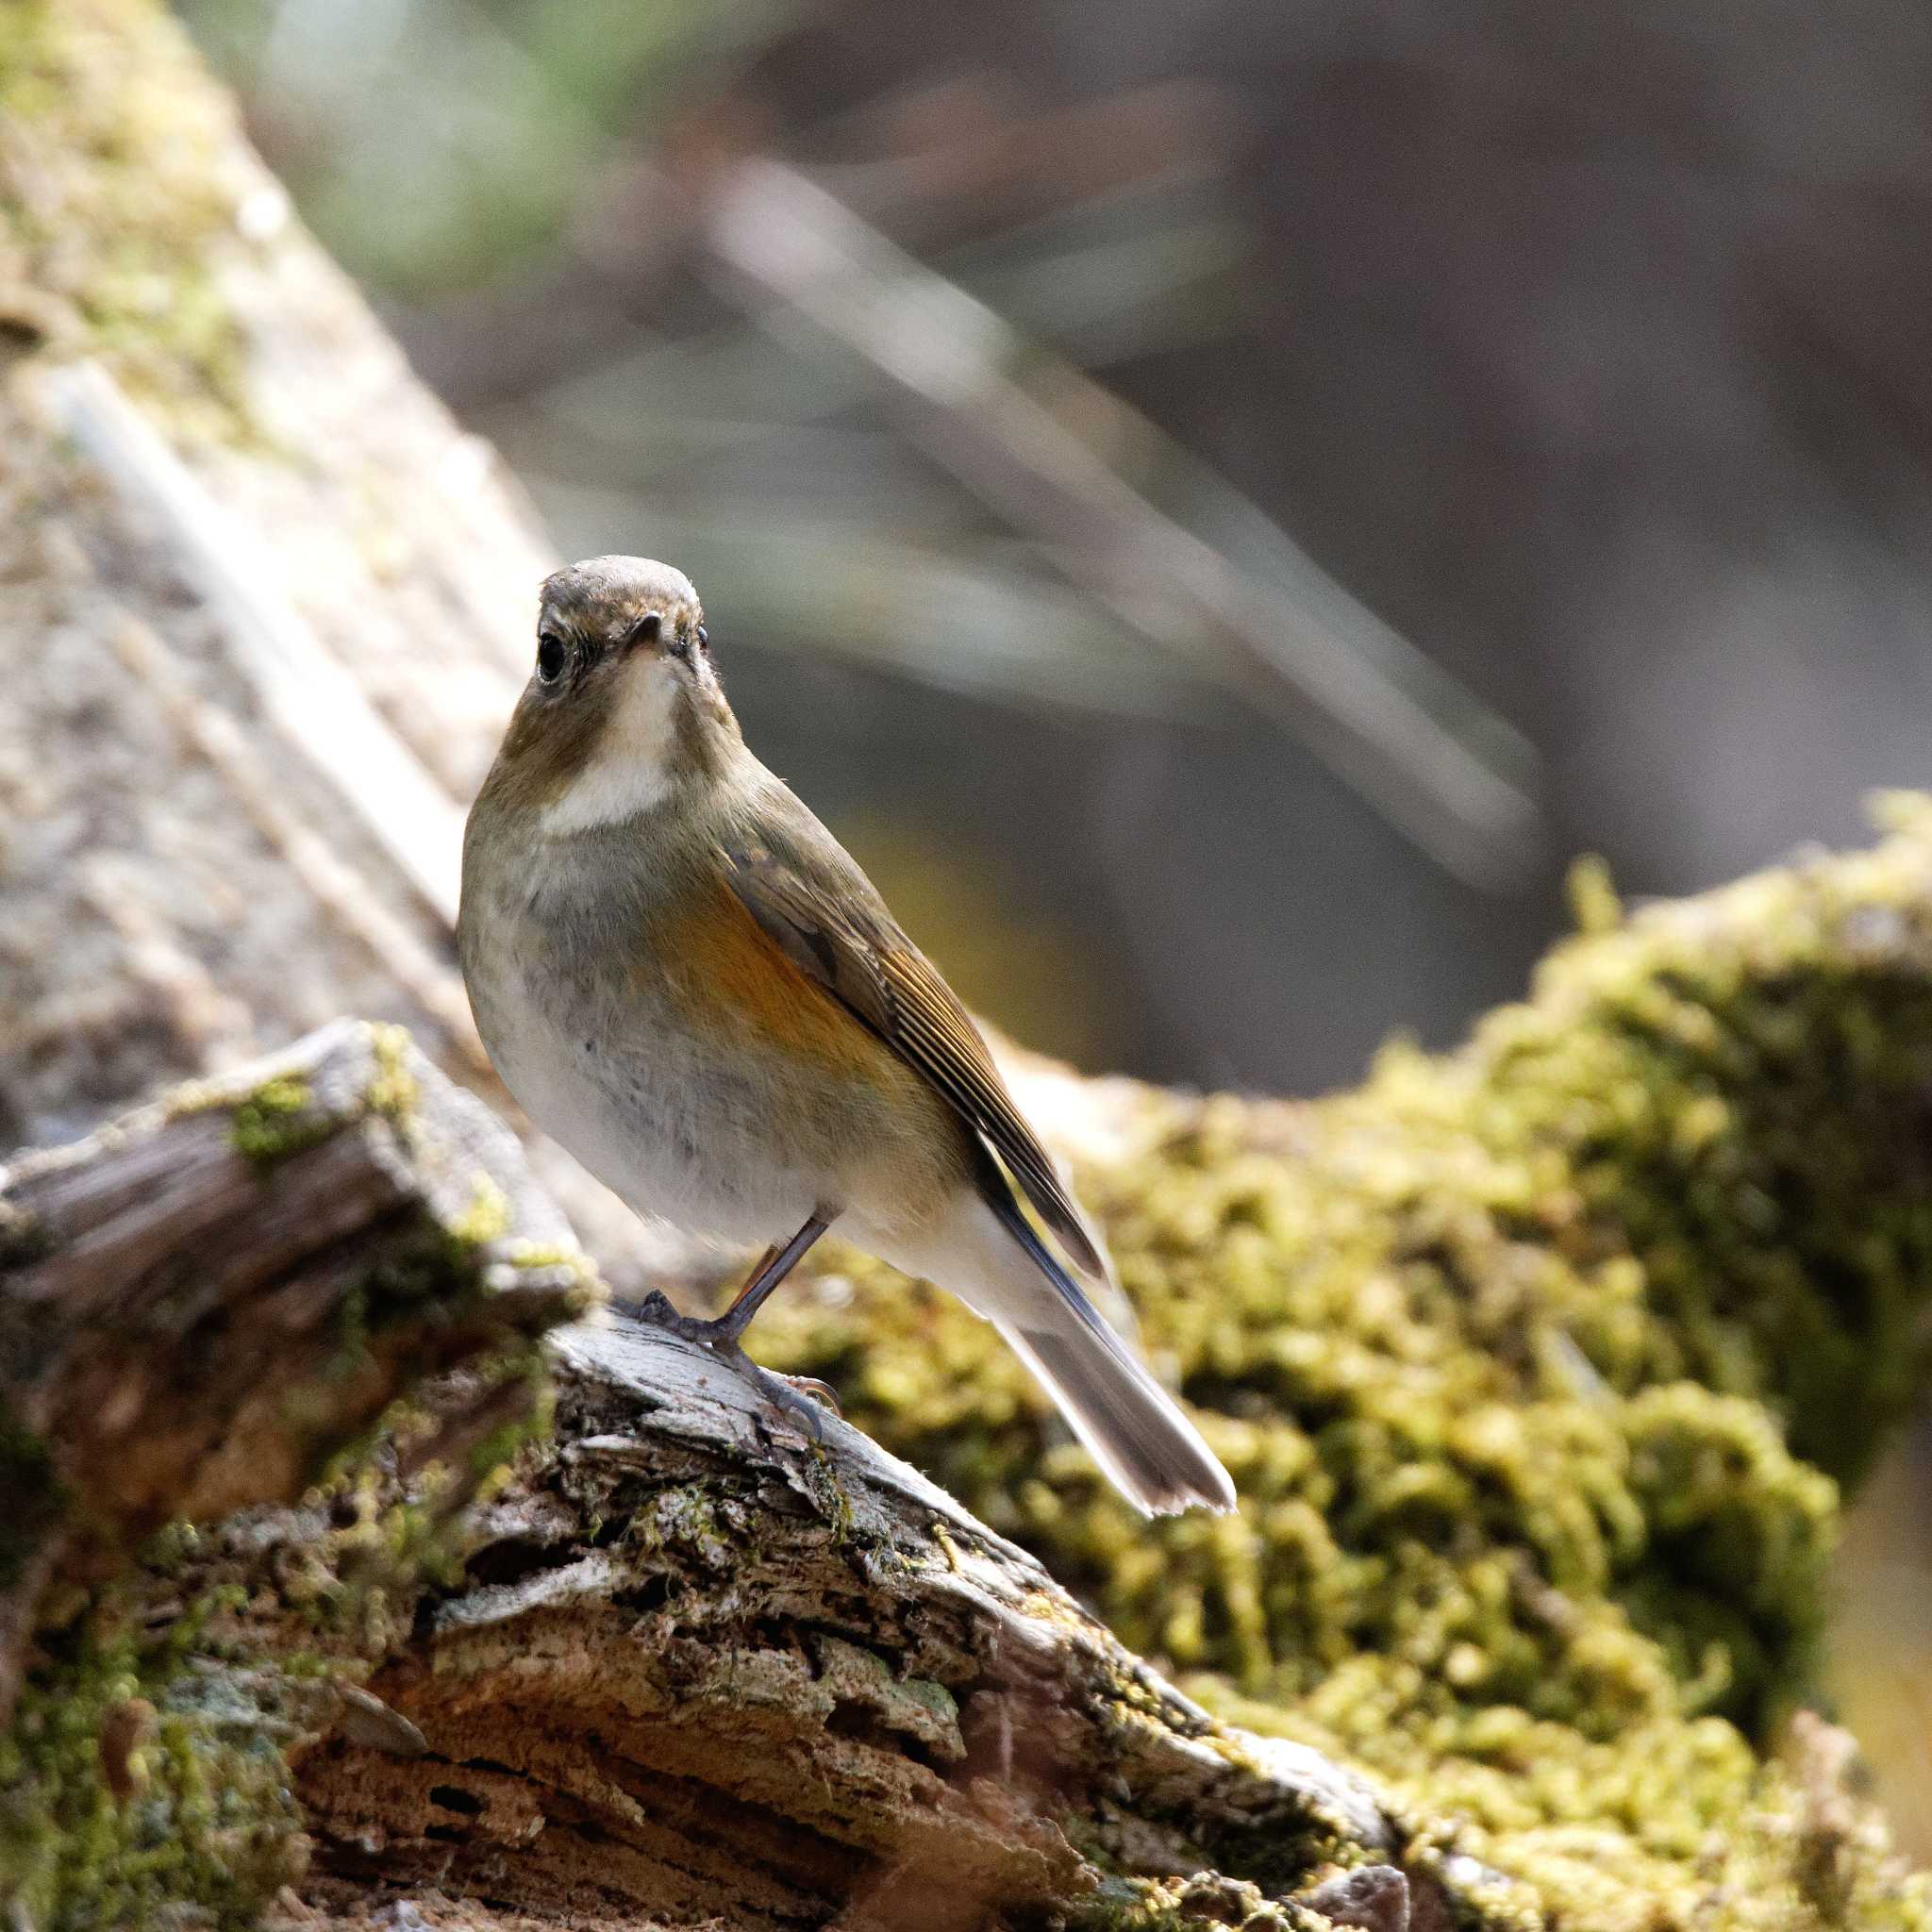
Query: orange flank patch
{"points": [[728, 973]]}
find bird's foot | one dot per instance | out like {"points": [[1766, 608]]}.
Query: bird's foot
{"points": [[802, 1398]]}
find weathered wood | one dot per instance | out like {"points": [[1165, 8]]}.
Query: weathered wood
{"points": [[318, 708], [703, 1669], [1698, 1132], [311, 520], [202, 1303]]}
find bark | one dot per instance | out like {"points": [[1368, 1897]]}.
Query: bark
{"points": [[702, 1668], [203, 1305], [702, 1661], [273, 603]]}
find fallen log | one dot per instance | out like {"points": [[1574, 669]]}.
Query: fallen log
{"points": [[701, 1668], [1534, 1362], [699, 1661]]}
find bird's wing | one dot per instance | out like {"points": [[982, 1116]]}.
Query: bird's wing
{"points": [[845, 941]]}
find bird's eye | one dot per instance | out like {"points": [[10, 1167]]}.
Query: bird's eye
{"points": [[703, 639], [550, 657]]}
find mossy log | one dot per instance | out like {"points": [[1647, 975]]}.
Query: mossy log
{"points": [[702, 1669], [702, 1661], [1501, 1350], [203, 1305], [1539, 1367]]}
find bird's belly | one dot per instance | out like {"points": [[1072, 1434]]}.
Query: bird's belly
{"points": [[690, 1068], [670, 1128]]}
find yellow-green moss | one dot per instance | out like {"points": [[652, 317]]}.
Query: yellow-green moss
{"points": [[213, 1832], [1184, 1905], [203, 1829], [206, 1830], [392, 1092], [1537, 1366], [117, 202], [277, 1120]]}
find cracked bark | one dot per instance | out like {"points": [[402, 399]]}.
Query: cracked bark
{"points": [[702, 1668], [697, 1668]]}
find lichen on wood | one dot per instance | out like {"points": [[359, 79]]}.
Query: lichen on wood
{"points": [[1538, 1365], [703, 1668], [1545, 1593]]}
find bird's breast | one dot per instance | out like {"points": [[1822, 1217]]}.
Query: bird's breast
{"points": [[648, 1024]]}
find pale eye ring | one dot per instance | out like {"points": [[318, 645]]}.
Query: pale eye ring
{"points": [[551, 656]]}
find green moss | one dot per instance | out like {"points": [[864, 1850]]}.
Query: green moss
{"points": [[1184, 1905], [203, 1829], [118, 202], [392, 1092], [280, 1118], [389, 1537], [828, 1494], [487, 1218], [1537, 1366], [126, 1800], [1593, 901]]}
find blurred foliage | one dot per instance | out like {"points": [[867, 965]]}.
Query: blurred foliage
{"points": [[996, 953], [1534, 1366], [493, 114]]}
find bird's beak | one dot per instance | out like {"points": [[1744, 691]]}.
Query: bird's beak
{"points": [[647, 631]]}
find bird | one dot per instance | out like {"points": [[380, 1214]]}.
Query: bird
{"points": [[683, 978]]}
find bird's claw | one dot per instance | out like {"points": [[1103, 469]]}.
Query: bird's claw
{"points": [[800, 1397], [821, 1393]]}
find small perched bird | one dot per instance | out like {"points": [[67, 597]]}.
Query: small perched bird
{"points": [[683, 978]]}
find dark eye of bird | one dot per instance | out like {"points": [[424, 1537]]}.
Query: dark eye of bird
{"points": [[703, 639], [550, 657]]}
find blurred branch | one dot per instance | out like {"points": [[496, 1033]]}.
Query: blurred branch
{"points": [[960, 621], [1048, 453], [975, 150]]}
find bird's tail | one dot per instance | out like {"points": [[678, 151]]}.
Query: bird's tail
{"points": [[1151, 1452]]}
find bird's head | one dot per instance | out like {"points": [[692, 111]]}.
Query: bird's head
{"points": [[623, 705]]}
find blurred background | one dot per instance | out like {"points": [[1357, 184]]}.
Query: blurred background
{"points": [[1215, 502]]}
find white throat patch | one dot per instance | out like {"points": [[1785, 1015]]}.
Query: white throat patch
{"points": [[629, 769]]}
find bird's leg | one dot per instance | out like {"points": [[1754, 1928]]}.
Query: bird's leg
{"points": [[724, 1334], [777, 1264]]}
